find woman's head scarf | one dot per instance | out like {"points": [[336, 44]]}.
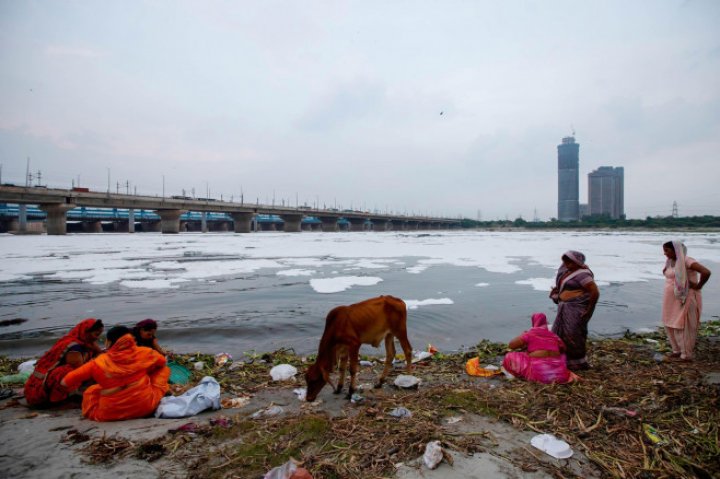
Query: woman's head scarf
{"points": [[77, 335], [682, 286], [576, 257], [539, 320]]}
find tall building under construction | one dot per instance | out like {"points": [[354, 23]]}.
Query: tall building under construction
{"points": [[568, 180]]}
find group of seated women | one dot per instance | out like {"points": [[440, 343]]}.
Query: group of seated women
{"points": [[126, 380]]}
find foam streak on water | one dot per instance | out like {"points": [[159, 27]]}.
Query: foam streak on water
{"points": [[263, 291]]}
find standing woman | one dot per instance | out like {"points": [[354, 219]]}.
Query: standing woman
{"points": [[576, 295], [682, 301], [43, 387]]}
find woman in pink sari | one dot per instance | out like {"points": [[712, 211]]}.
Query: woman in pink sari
{"points": [[543, 360], [682, 301]]}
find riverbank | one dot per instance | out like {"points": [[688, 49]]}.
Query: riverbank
{"points": [[484, 425]]}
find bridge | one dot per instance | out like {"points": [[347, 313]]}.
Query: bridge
{"points": [[169, 214]]}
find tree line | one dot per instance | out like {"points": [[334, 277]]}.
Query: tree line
{"points": [[602, 221]]}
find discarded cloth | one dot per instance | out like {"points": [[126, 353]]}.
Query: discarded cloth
{"points": [[473, 368], [205, 395]]}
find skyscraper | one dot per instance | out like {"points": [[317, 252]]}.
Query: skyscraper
{"points": [[606, 192], [568, 180]]}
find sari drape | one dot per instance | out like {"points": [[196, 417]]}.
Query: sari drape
{"points": [[131, 381]]}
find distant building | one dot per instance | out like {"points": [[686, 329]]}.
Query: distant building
{"points": [[584, 210], [568, 180], [606, 192]]}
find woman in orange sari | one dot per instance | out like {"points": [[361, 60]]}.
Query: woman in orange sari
{"points": [[131, 380], [69, 352]]}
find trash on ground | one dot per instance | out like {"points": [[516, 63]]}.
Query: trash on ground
{"points": [[406, 381], [552, 446], [301, 393], [473, 368], [652, 434], [27, 366], [507, 374], [6, 393], [289, 470], [222, 358], [400, 412], [198, 366], [421, 356], [221, 421], [621, 411], [432, 349], [268, 412], [366, 364], [356, 398], [433, 454], [18, 378], [189, 427], [179, 374], [658, 357], [651, 341], [283, 372], [454, 419], [205, 395], [235, 403]]}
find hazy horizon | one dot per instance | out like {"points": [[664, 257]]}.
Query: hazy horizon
{"points": [[445, 109]]}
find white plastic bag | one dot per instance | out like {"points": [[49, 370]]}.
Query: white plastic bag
{"points": [[27, 366], [205, 395], [282, 372], [433, 454]]}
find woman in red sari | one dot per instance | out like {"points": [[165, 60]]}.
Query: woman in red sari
{"points": [[69, 352], [131, 380]]}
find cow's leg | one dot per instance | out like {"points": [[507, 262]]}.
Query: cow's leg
{"points": [[407, 349], [341, 375], [353, 353], [389, 356]]}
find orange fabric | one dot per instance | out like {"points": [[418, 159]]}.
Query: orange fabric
{"points": [[131, 381], [473, 368]]}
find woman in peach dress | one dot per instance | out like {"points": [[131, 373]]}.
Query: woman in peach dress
{"points": [[682, 301]]}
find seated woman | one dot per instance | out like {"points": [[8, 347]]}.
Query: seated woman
{"points": [[144, 333], [131, 381], [544, 359], [69, 352]]}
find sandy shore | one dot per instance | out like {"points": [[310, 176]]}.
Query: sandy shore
{"points": [[485, 425]]}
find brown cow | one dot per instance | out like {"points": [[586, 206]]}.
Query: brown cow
{"points": [[348, 327]]}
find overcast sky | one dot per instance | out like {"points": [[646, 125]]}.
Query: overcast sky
{"points": [[436, 107]]}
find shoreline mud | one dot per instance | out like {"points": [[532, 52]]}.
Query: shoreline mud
{"points": [[632, 415]]}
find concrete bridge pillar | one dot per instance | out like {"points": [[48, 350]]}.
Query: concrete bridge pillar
{"points": [[357, 224], [57, 217], [169, 221], [329, 223], [399, 225], [92, 227], [22, 218], [411, 225], [379, 225], [292, 222], [203, 222], [131, 220], [243, 221], [267, 227]]}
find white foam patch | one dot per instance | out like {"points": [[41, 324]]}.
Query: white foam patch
{"points": [[482, 285], [296, 272], [538, 284], [415, 303], [417, 269], [341, 283], [150, 284]]}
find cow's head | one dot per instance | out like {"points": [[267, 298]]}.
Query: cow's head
{"points": [[316, 378]]}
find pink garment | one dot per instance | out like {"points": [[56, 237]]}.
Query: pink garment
{"points": [[542, 370], [539, 337], [681, 320]]}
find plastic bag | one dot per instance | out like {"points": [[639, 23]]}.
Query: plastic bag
{"points": [[433, 454], [205, 395], [282, 372], [27, 366]]}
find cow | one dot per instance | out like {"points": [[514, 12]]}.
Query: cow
{"points": [[346, 328]]}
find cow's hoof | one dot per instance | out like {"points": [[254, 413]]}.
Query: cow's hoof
{"points": [[337, 391]]}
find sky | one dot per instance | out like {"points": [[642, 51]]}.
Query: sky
{"points": [[450, 108]]}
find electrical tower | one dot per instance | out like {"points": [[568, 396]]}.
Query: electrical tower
{"points": [[675, 210]]}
